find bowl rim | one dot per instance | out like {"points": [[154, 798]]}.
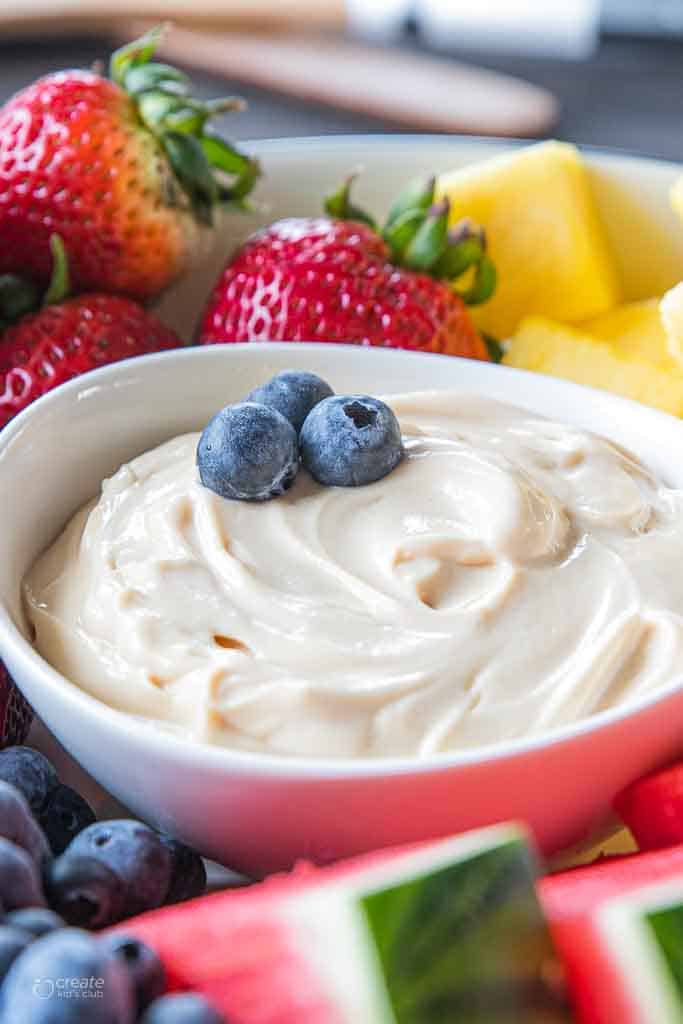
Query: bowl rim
{"points": [[186, 749], [340, 140]]}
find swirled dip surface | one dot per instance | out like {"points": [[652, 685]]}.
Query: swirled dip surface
{"points": [[513, 574]]}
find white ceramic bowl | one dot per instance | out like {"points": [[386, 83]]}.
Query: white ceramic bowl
{"points": [[260, 813]]}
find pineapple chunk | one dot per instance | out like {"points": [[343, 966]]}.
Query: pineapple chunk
{"points": [[544, 234], [636, 331], [671, 313], [563, 351]]}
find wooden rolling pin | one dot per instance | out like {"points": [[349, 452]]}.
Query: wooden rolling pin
{"points": [[408, 89]]}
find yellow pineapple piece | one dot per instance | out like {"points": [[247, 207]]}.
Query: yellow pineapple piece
{"points": [[562, 351], [671, 313], [544, 234], [635, 330]]}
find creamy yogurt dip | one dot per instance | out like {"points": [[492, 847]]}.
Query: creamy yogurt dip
{"points": [[511, 575]]}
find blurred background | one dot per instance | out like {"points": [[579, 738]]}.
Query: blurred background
{"points": [[601, 72]]}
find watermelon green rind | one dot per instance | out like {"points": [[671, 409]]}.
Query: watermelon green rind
{"points": [[642, 934], [467, 943], [667, 926]]}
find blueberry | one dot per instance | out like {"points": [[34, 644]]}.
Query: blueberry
{"points": [[18, 824], [64, 814], [145, 969], [84, 891], [248, 452], [136, 855], [20, 884], [67, 978], [293, 393], [37, 921], [188, 876], [13, 941], [350, 440], [182, 1008], [31, 773]]}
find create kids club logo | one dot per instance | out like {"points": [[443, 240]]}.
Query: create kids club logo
{"points": [[69, 988]]}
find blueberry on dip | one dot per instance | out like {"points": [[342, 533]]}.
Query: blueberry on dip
{"points": [[350, 440], [248, 452], [293, 393]]}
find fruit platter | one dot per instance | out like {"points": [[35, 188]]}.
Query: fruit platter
{"points": [[340, 619]]}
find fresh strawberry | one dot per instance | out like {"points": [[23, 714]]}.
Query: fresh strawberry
{"points": [[652, 807], [16, 714], [40, 350], [339, 278], [123, 170]]}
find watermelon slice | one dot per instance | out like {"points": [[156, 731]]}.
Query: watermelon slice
{"points": [[449, 931], [644, 932], [573, 902], [652, 808]]}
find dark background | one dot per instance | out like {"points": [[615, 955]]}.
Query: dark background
{"points": [[629, 96]]}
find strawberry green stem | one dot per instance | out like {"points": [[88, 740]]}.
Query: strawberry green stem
{"points": [[140, 79], [429, 241], [484, 284], [338, 205], [59, 285], [494, 347], [136, 54], [19, 296], [401, 231], [208, 169], [192, 169], [417, 233], [417, 197], [459, 257]]}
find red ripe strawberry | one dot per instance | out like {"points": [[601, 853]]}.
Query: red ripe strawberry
{"points": [[122, 169], [652, 807], [339, 279], [16, 714], [40, 350]]}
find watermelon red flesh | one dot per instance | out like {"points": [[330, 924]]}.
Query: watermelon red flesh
{"points": [[652, 808], [571, 900], [228, 947], [238, 956]]}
